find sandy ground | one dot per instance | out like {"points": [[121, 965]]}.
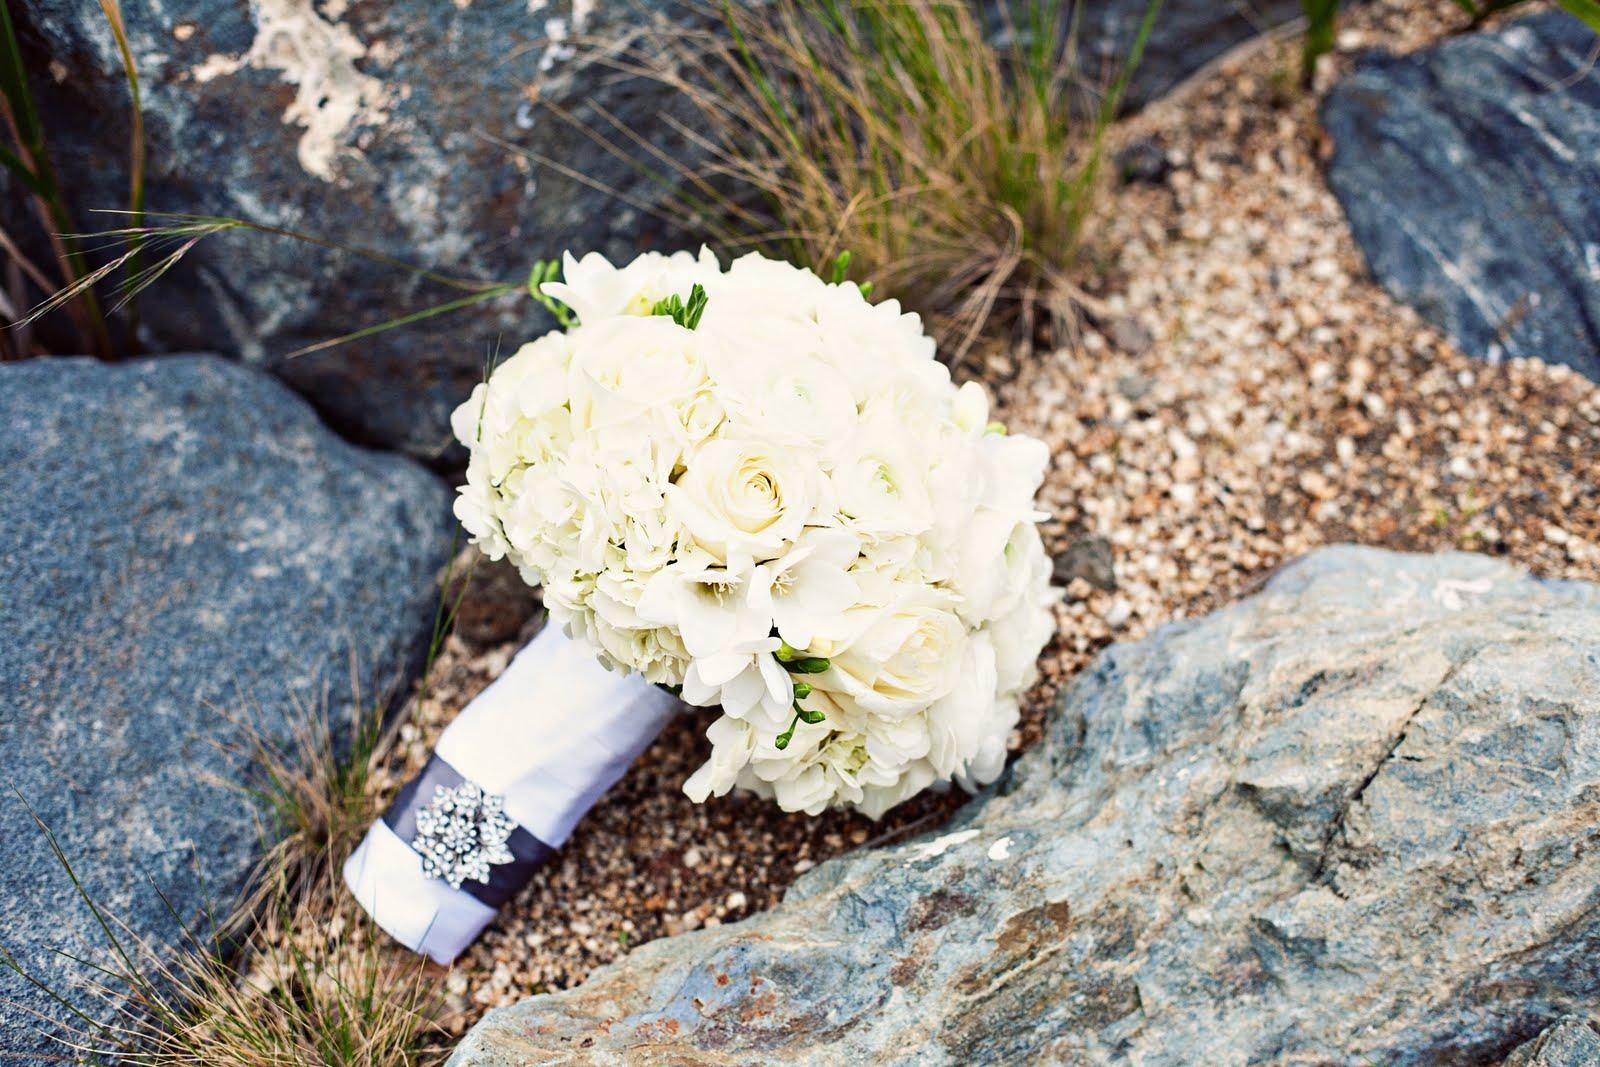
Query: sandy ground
{"points": [[1249, 396]]}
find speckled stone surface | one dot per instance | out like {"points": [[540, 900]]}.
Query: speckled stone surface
{"points": [[1468, 170], [1571, 1042], [1354, 818], [186, 547]]}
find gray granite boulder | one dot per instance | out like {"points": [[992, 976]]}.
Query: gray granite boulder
{"points": [[1572, 1042], [1188, 34], [1353, 819], [408, 127], [1468, 171], [186, 549]]}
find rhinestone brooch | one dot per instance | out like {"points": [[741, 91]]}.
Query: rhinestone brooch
{"points": [[462, 833]]}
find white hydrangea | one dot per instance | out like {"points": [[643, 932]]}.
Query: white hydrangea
{"points": [[790, 493]]}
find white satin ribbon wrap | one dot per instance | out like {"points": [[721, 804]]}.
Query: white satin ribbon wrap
{"points": [[550, 735]]}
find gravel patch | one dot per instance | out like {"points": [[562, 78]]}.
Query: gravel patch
{"points": [[1247, 395]]}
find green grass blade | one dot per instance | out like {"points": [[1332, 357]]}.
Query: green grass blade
{"points": [[14, 85], [136, 153], [407, 320], [1321, 24], [1588, 11], [24, 174], [180, 219]]}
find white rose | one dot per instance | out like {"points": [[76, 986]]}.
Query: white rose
{"points": [[741, 498], [907, 656], [624, 366]]}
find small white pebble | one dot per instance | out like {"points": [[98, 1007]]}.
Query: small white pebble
{"points": [[735, 902], [1001, 849], [691, 858]]}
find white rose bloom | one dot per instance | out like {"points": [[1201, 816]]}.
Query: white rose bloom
{"points": [[623, 366], [746, 498], [794, 468], [905, 657]]}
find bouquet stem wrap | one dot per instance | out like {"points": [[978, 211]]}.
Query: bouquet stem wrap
{"points": [[541, 745]]}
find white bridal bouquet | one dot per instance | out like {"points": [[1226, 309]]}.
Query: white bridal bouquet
{"points": [[759, 491]]}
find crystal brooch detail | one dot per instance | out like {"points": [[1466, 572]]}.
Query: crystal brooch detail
{"points": [[462, 833]]}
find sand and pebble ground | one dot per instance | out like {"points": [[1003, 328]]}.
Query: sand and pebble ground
{"points": [[1249, 395]]}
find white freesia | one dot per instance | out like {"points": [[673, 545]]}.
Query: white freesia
{"points": [[783, 509]]}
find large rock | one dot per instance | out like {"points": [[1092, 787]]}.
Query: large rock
{"points": [[1354, 819], [1188, 34], [1468, 171], [187, 549], [1572, 1042], [398, 126]]}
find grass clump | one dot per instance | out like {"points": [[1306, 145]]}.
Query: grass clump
{"points": [[953, 154], [327, 993], [27, 161], [296, 973]]}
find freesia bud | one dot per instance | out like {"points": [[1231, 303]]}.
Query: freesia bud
{"points": [[971, 407]]}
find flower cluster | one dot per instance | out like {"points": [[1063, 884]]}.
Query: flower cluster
{"points": [[759, 487]]}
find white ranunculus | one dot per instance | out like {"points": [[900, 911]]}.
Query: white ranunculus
{"points": [[743, 497], [971, 408], [881, 486], [957, 721]]}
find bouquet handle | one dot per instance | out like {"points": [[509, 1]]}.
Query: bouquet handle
{"points": [[507, 782]]}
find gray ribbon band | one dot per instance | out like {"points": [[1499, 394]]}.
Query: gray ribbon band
{"points": [[505, 879]]}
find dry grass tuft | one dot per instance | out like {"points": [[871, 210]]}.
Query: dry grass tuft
{"points": [[326, 991], [296, 974], [956, 161]]}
